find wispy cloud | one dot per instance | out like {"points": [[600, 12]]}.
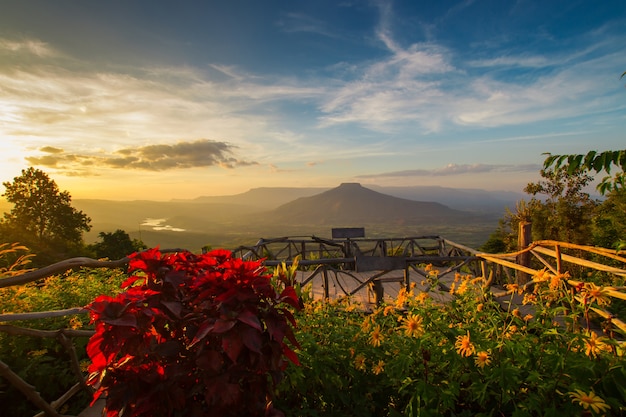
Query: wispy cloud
{"points": [[456, 169], [181, 155], [27, 47], [430, 87], [299, 22]]}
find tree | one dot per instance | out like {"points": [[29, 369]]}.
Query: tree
{"points": [[567, 210], [42, 217], [116, 245], [559, 209]]}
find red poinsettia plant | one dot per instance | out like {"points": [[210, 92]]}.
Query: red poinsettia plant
{"points": [[192, 335]]}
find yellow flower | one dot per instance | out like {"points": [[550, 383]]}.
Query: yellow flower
{"points": [[482, 359], [422, 297], [376, 337], [428, 268], [596, 294], [513, 288], [510, 331], [596, 403], [366, 325], [402, 298], [541, 276], [594, 345], [412, 325], [528, 317], [464, 346], [463, 287], [516, 313], [555, 280], [359, 362], [387, 310], [529, 299], [379, 368], [479, 307], [452, 288]]}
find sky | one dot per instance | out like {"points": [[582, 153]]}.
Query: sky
{"points": [[160, 100]]}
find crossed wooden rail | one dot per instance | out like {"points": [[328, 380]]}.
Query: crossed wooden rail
{"points": [[496, 268]]}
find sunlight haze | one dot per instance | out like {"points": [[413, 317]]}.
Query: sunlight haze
{"points": [[160, 100]]}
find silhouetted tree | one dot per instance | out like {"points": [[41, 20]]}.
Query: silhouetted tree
{"points": [[116, 245], [42, 217]]}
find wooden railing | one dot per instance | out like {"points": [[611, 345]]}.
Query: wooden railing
{"points": [[348, 256]]}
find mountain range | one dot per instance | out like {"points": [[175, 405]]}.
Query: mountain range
{"points": [[464, 215]]}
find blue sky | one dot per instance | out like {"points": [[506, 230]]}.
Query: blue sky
{"points": [[159, 99]]}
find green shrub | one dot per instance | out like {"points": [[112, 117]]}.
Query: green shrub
{"points": [[467, 357], [43, 362]]}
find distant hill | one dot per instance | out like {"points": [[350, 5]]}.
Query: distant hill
{"points": [[465, 199], [353, 204], [265, 198]]}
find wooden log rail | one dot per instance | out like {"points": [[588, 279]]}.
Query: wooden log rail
{"points": [[548, 255]]}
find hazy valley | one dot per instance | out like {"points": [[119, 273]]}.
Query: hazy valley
{"points": [[466, 216]]}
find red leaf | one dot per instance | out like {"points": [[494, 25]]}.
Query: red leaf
{"points": [[232, 345], [291, 355], [222, 326], [174, 306], [252, 338], [130, 281], [125, 320], [210, 360], [290, 297], [250, 319], [204, 329]]}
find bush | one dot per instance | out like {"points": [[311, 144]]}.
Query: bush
{"points": [[202, 335], [43, 362], [467, 357]]}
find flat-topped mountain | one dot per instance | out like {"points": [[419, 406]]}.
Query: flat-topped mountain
{"points": [[351, 203]]}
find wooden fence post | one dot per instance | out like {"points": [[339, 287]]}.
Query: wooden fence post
{"points": [[524, 238]]}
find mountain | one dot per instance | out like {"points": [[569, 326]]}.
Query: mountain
{"points": [[265, 198], [353, 204], [475, 200]]}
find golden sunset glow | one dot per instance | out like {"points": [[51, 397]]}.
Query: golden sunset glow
{"points": [[178, 104]]}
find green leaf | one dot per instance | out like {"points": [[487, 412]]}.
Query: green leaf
{"points": [[588, 164], [574, 163], [598, 162]]}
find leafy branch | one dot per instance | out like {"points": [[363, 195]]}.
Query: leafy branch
{"points": [[593, 161]]}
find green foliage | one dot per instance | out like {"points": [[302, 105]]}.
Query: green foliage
{"points": [[415, 356], [559, 209], [469, 357], [44, 363], [566, 212], [593, 161], [116, 245], [42, 217], [609, 222]]}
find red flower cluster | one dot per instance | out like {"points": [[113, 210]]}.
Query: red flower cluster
{"points": [[193, 335]]}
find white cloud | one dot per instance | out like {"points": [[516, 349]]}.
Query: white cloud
{"points": [[26, 47]]}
